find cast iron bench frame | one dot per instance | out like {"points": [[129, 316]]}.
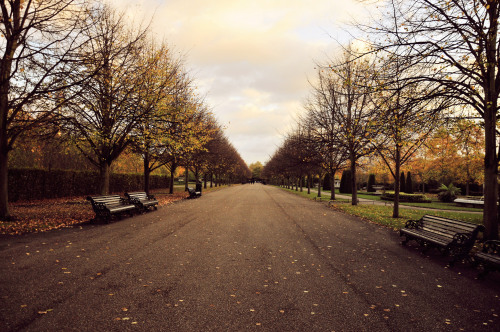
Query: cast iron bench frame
{"points": [[489, 257], [193, 193], [107, 206], [453, 237], [141, 200]]}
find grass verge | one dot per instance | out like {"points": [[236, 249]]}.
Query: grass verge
{"points": [[382, 215]]}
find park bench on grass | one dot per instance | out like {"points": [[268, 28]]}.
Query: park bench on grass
{"points": [[475, 203], [453, 237], [489, 257], [142, 201], [107, 206]]}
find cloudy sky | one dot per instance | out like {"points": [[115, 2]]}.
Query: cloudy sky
{"points": [[251, 58]]}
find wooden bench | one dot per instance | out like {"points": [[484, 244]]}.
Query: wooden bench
{"points": [[106, 206], [453, 237], [475, 203], [489, 257], [142, 201], [193, 193]]}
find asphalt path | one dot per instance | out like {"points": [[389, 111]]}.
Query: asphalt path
{"points": [[246, 258]]}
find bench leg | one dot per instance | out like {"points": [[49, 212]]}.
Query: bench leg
{"points": [[483, 273]]}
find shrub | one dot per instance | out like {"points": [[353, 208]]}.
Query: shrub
{"points": [[32, 184], [405, 198], [402, 183], [326, 182], [345, 183], [448, 193], [371, 183], [409, 184]]}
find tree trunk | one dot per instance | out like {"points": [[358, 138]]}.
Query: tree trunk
{"points": [[490, 174], [186, 178], [205, 181], [309, 184], [146, 173], [319, 186], [5, 73], [104, 173], [4, 188], [332, 185], [211, 180], [397, 178], [172, 174], [353, 181]]}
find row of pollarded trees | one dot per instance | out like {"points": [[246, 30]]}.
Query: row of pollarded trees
{"points": [[419, 58], [78, 70]]}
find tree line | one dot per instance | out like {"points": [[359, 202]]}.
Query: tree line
{"points": [[421, 65], [80, 74]]}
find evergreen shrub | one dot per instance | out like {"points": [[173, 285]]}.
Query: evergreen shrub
{"points": [[405, 198], [33, 184], [371, 183]]}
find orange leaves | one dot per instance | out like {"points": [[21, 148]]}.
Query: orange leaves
{"points": [[45, 215]]}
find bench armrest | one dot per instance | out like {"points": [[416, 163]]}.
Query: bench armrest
{"points": [[151, 197], [134, 200], [124, 201], [98, 206], [462, 238], [413, 224], [491, 247]]}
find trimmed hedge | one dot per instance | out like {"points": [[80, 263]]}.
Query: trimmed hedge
{"points": [[345, 183], [32, 184], [406, 198], [326, 182]]}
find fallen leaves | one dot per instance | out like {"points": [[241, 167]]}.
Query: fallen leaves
{"points": [[44, 215]]}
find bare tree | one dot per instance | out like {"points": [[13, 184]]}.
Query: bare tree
{"points": [[323, 128], [38, 41], [406, 117], [456, 45], [354, 112]]}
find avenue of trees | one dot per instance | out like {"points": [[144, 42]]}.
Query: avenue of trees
{"points": [[422, 68], [79, 82]]}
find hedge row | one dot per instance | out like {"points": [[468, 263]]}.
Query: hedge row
{"points": [[407, 198], [32, 184]]}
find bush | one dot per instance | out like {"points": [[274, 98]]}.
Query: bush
{"points": [[402, 183], [449, 193], [326, 182], [345, 183], [371, 183], [405, 198], [409, 184], [32, 184]]}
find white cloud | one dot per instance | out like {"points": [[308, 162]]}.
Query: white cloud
{"points": [[252, 58]]}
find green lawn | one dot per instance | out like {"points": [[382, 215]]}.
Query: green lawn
{"points": [[435, 204], [383, 214]]}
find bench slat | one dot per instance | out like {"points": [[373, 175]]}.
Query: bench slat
{"points": [[105, 206], [454, 236], [142, 200]]}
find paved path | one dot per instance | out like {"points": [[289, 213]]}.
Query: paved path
{"points": [[246, 258]]}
